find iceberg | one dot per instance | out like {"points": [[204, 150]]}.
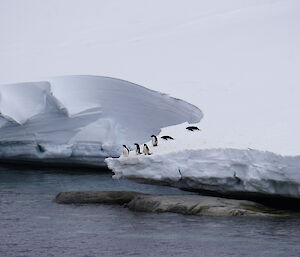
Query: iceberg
{"points": [[237, 60], [82, 119], [187, 163]]}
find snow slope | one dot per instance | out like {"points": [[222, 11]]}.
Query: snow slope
{"points": [[236, 60], [82, 119]]}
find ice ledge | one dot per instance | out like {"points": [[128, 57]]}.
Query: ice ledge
{"points": [[227, 172]]}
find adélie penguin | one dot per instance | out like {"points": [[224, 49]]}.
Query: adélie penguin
{"points": [[125, 151], [146, 150], [192, 128], [154, 140], [137, 148], [167, 138]]}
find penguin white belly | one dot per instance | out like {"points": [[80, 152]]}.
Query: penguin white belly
{"points": [[154, 141], [146, 150], [125, 153]]}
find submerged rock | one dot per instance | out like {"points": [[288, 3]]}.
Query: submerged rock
{"points": [[111, 197], [184, 204], [198, 205]]}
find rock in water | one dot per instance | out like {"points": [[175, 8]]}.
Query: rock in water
{"points": [[185, 204], [198, 205], [88, 197]]}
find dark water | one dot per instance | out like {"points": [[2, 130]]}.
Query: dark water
{"points": [[32, 225]]}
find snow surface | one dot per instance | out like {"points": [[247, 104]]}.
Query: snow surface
{"points": [[82, 119], [182, 163]]}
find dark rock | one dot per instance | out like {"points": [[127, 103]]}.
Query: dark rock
{"points": [[109, 197], [200, 205], [185, 204]]}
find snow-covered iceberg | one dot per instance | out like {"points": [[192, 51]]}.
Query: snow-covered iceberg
{"points": [[185, 162], [82, 119]]}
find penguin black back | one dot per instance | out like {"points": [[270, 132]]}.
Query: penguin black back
{"points": [[192, 128], [146, 150], [125, 151], [167, 138], [137, 148]]}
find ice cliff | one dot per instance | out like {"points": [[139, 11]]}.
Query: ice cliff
{"points": [[82, 119]]}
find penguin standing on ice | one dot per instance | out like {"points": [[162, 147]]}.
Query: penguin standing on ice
{"points": [[137, 149], [146, 150], [125, 151], [154, 140]]}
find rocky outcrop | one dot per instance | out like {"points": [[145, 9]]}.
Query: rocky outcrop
{"points": [[185, 204], [199, 205]]}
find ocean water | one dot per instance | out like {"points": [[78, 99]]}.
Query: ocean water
{"points": [[31, 224]]}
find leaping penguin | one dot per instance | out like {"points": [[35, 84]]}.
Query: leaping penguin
{"points": [[125, 151], [137, 149], [146, 150], [167, 138], [192, 128], [154, 140]]}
